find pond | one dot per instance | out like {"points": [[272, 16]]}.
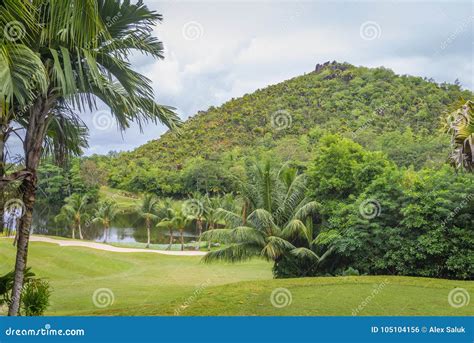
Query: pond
{"points": [[127, 228]]}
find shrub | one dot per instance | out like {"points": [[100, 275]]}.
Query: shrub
{"points": [[35, 297]]}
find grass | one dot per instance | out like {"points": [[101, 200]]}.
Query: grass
{"points": [[149, 284], [126, 202], [136, 279]]}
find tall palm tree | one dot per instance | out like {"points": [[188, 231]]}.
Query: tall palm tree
{"points": [[104, 215], [279, 225], [65, 217], [149, 212], [212, 214], [195, 209], [75, 208], [166, 213], [461, 127], [76, 52], [179, 221]]}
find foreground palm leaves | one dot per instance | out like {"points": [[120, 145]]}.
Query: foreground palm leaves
{"points": [[57, 54]]}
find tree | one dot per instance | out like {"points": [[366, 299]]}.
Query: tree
{"points": [[180, 221], [104, 215], [75, 208], [148, 211], [461, 127], [73, 52], [167, 213], [195, 210], [280, 224]]}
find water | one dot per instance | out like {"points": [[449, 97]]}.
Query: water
{"points": [[124, 229]]}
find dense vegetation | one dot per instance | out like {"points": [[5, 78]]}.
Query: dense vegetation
{"points": [[357, 184], [399, 115]]}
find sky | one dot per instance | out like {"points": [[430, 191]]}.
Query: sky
{"points": [[218, 50]]}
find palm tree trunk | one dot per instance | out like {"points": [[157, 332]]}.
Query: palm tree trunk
{"points": [[80, 230], [73, 232], [181, 233], [171, 239], [3, 139], [29, 196], [211, 227], [34, 137], [148, 232], [199, 224], [106, 234]]}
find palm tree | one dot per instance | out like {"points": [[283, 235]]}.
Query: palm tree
{"points": [[75, 52], [148, 210], [195, 210], [67, 218], [279, 225], [212, 215], [461, 127], [180, 221], [105, 214], [166, 213], [75, 208]]}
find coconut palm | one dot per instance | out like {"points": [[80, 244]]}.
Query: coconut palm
{"points": [[212, 207], [180, 221], [279, 225], [194, 209], [461, 127], [104, 215], [148, 210], [167, 213], [75, 208], [76, 52]]}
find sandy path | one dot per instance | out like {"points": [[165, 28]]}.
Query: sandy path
{"points": [[106, 247]]}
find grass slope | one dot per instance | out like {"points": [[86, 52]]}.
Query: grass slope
{"points": [[126, 201], [136, 279], [145, 284]]}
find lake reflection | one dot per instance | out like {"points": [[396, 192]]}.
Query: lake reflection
{"points": [[124, 229]]}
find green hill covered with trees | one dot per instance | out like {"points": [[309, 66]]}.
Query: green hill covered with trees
{"points": [[398, 115]]}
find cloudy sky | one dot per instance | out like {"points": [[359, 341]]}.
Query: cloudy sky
{"points": [[216, 50]]}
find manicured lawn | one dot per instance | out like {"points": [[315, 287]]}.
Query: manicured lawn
{"points": [[136, 279], [149, 284], [331, 296]]}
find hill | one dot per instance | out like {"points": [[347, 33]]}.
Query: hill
{"points": [[399, 115]]}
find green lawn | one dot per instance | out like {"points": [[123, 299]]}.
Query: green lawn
{"points": [[149, 284], [125, 201]]}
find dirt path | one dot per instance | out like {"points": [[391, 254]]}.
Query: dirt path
{"points": [[106, 247]]}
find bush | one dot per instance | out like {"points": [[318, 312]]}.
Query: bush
{"points": [[35, 297], [6, 285]]}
